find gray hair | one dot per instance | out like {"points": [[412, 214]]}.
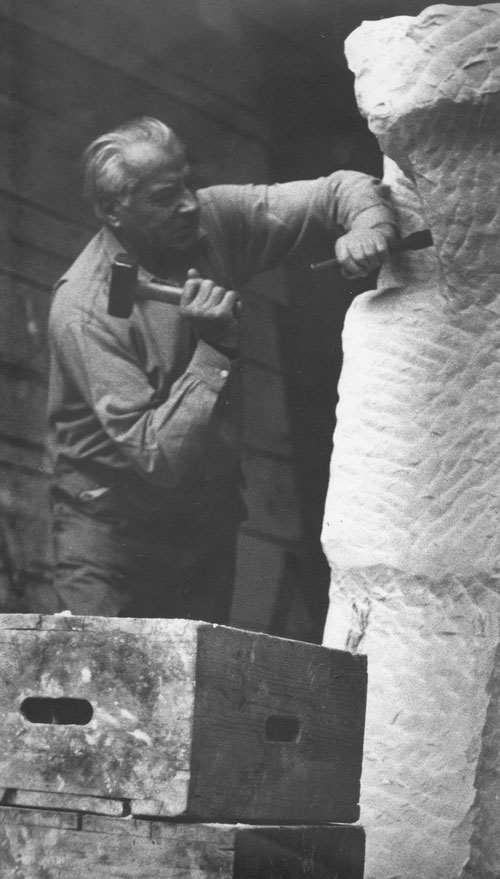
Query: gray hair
{"points": [[103, 164]]}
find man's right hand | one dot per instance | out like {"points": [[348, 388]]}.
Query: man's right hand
{"points": [[212, 309], [361, 251]]}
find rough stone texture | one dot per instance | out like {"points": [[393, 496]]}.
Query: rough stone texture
{"points": [[411, 524]]}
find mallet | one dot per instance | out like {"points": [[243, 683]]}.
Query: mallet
{"points": [[416, 241], [125, 289]]}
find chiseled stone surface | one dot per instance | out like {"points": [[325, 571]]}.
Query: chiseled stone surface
{"points": [[412, 518]]}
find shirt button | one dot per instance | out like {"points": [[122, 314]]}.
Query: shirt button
{"points": [[224, 373]]}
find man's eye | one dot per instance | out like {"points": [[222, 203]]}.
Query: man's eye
{"points": [[163, 197]]}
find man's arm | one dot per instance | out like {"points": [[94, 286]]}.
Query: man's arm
{"points": [[259, 226], [369, 228], [163, 439]]}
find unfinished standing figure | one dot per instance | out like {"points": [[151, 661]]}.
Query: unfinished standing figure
{"points": [[412, 521]]}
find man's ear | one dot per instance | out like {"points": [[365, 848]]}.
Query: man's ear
{"points": [[109, 209]]}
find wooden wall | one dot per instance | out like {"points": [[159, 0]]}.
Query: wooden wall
{"points": [[68, 72]]}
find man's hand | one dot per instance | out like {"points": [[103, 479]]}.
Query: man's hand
{"points": [[361, 251], [212, 310]]}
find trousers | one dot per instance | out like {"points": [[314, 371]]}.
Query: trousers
{"points": [[111, 563]]}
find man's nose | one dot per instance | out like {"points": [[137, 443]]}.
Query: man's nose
{"points": [[188, 202]]}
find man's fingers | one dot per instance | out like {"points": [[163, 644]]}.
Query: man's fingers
{"points": [[227, 308], [202, 299], [213, 311], [351, 258], [208, 296], [212, 295], [360, 253], [197, 289], [231, 302], [189, 291], [381, 243]]}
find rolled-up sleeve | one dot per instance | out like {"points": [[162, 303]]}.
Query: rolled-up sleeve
{"points": [[163, 439]]}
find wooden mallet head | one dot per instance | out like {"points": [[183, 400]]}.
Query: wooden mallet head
{"points": [[122, 286], [125, 289]]}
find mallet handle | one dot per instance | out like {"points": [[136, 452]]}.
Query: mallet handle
{"points": [[125, 289], [158, 291]]}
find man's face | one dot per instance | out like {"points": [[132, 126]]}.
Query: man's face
{"points": [[159, 211]]}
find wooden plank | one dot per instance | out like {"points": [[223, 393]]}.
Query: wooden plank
{"points": [[23, 404], [272, 285], [24, 121], [26, 225], [103, 30], [66, 622], [95, 97], [43, 819], [46, 74], [283, 722], [30, 77], [265, 419], [33, 136], [139, 687], [23, 330], [25, 530], [49, 800], [182, 718], [268, 594], [260, 568], [225, 156], [300, 853], [39, 175], [23, 498], [22, 258], [107, 848], [260, 336], [22, 127], [29, 459], [158, 62], [271, 497]]}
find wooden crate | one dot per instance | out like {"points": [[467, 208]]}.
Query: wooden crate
{"points": [[49, 845], [178, 718]]}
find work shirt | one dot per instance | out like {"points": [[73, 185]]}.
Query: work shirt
{"points": [[141, 401]]}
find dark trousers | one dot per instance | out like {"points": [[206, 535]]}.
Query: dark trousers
{"points": [[110, 563]]}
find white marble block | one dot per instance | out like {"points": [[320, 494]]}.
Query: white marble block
{"points": [[412, 517]]}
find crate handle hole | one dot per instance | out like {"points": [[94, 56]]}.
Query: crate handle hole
{"points": [[63, 711], [282, 728]]}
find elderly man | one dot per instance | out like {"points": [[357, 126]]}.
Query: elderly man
{"points": [[144, 412]]}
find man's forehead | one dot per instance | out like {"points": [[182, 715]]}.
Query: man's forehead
{"points": [[145, 159]]}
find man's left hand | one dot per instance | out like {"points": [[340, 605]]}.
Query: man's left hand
{"points": [[212, 309], [361, 251]]}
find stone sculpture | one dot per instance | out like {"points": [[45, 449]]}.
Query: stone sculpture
{"points": [[412, 517]]}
